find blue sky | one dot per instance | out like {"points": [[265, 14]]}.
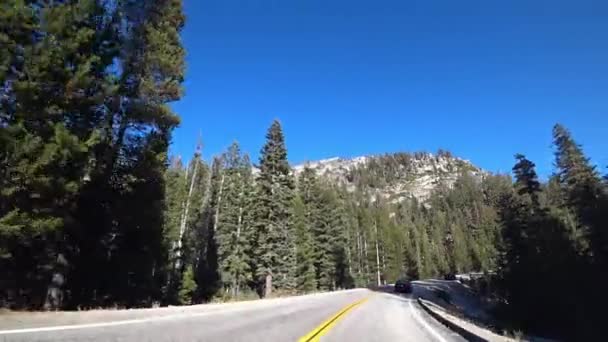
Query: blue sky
{"points": [[483, 79]]}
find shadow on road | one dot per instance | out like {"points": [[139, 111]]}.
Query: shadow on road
{"points": [[452, 296]]}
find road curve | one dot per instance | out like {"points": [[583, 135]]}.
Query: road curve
{"points": [[354, 315]]}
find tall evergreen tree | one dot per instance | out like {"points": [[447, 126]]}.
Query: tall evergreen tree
{"points": [[341, 251], [325, 230], [367, 275], [583, 206], [130, 158], [52, 79], [83, 111], [175, 194], [410, 245], [206, 260], [185, 191], [305, 274], [275, 246], [233, 231], [582, 191], [536, 253], [517, 214], [187, 286], [307, 210]]}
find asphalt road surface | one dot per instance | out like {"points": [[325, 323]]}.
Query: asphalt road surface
{"points": [[354, 315]]}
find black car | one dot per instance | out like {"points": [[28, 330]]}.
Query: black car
{"points": [[403, 286]]}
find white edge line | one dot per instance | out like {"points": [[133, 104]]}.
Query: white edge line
{"points": [[425, 324], [109, 324], [73, 327]]}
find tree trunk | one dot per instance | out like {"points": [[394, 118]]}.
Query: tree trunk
{"points": [[219, 202], [359, 254], [235, 282], [377, 255], [115, 145], [366, 259], [418, 260], [184, 220], [54, 294], [268, 285], [348, 254], [114, 109], [384, 261], [238, 227], [207, 192]]}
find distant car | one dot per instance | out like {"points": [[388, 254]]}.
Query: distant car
{"points": [[403, 286]]}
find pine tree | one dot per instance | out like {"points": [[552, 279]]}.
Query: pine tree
{"points": [[356, 239], [175, 193], [526, 180], [233, 231], [325, 232], [410, 241], [393, 253], [367, 257], [187, 287], [341, 251], [275, 246], [185, 190], [459, 254], [305, 274], [206, 261], [51, 70], [191, 202], [426, 263], [125, 172], [438, 235], [88, 140], [583, 207], [520, 238], [380, 226], [583, 191]]}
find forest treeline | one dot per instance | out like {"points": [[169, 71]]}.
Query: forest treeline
{"points": [[84, 131], [94, 213]]}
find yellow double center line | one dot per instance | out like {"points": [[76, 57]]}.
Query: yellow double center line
{"points": [[326, 326]]}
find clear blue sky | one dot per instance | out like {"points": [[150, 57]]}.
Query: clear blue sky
{"points": [[483, 79]]}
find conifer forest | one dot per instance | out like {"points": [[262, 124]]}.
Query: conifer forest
{"points": [[95, 212]]}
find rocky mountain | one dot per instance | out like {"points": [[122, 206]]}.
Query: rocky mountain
{"points": [[395, 176]]}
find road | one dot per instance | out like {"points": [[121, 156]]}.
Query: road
{"points": [[354, 315]]}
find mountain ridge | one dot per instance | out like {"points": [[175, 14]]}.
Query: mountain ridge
{"points": [[394, 176]]}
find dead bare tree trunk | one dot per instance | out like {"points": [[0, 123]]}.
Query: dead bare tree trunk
{"points": [[204, 206], [348, 255], [219, 202], [377, 254], [184, 218], [359, 253], [384, 262], [366, 259]]}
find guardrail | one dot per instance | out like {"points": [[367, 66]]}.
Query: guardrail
{"points": [[469, 336], [471, 275]]}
